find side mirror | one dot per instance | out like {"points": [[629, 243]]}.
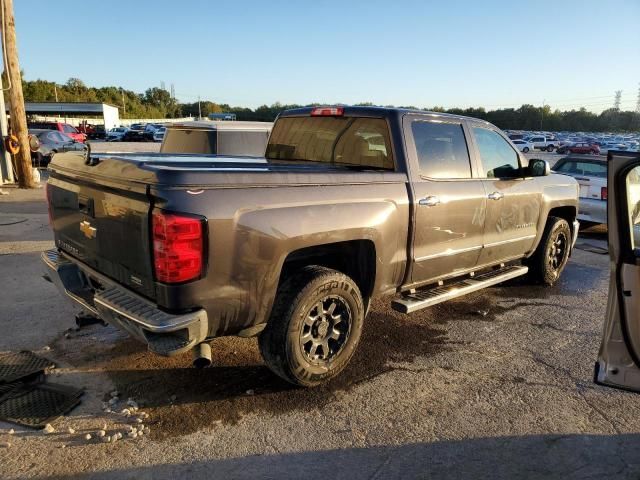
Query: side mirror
{"points": [[538, 168]]}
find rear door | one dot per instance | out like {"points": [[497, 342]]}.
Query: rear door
{"points": [[618, 363], [450, 200], [513, 202]]}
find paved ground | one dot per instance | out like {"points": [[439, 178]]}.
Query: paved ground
{"points": [[496, 385]]}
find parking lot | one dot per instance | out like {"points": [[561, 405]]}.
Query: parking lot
{"points": [[495, 384]]}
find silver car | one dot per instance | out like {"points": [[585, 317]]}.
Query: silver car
{"points": [[591, 174]]}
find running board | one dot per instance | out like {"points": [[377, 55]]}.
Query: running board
{"points": [[410, 302]]}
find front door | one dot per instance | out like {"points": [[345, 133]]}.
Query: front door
{"points": [[449, 201], [618, 362], [513, 202]]}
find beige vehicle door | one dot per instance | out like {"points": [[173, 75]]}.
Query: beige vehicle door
{"points": [[513, 201], [450, 200], [618, 363]]}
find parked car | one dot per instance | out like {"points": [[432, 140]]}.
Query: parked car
{"points": [[617, 361], [92, 132], [605, 147], [523, 145], [543, 143], [217, 138], [116, 134], [158, 135], [61, 127], [347, 205], [583, 147], [564, 148], [591, 175], [135, 133], [149, 131], [45, 143]]}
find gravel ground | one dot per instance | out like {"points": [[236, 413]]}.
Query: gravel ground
{"points": [[497, 384]]}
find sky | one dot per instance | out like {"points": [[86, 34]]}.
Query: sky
{"points": [[488, 53]]}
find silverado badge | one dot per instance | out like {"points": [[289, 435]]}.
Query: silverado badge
{"points": [[87, 229]]}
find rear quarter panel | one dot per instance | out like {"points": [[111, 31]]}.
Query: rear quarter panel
{"points": [[252, 230]]}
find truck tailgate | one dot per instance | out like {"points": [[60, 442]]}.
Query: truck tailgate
{"points": [[104, 227]]}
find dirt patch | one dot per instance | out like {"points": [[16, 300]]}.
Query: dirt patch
{"points": [[182, 399]]}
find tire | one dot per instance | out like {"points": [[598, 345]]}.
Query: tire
{"points": [[550, 258], [296, 317], [525, 150], [550, 149]]}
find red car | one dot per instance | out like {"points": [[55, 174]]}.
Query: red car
{"points": [[585, 148], [61, 127]]}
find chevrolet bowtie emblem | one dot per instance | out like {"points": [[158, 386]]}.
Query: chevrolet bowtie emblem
{"points": [[87, 229]]}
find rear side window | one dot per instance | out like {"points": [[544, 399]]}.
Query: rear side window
{"points": [[441, 149], [336, 140], [499, 159], [177, 140], [590, 169], [69, 129]]}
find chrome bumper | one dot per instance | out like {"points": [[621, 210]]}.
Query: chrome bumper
{"points": [[165, 333]]}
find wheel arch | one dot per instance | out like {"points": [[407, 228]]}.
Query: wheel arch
{"points": [[355, 258]]}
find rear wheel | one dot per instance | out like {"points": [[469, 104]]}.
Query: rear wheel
{"points": [[550, 148], [550, 258], [314, 328], [525, 150]]}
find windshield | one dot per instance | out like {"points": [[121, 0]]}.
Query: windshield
{"points": [[346, 141]]}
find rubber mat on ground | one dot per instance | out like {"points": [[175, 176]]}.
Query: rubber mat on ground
{"points": [[17, 365], [35, 405]]}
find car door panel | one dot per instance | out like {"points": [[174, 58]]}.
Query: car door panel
{"points": [[513, 202], [449, 203], [618, 363]]}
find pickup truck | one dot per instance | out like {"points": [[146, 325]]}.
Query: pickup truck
{"points": [[541, 142], [348, 204]]}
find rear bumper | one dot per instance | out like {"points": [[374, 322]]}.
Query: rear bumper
{"points": [[591, 210], [165, 333]]}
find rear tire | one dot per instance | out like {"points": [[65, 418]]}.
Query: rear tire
{"points": [[525, 150], [314, 328], [550, 149], [550, 258]]}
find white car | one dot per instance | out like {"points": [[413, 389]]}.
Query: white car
{"points": [[591, 175], [158, 134], [523, 145], [116, 134]]}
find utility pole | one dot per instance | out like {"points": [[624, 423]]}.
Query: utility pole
{"points": [[124, 105], [638, 102], [199, 110], [55, 91], [542, 113], [18, 115], [6, 167]]}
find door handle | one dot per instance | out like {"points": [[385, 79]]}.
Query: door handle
{"points": [[430, 201], [495, 196]]}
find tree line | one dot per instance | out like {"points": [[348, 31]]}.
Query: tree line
{"points": [[158, 103]]}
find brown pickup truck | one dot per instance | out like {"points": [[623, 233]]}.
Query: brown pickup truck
{"points": [[348, 204]]}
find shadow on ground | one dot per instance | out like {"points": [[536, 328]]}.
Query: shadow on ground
{"points": [[532, 457]]}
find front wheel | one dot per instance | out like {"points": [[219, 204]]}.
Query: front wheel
{"points": [[525, 150], [314, 328], [550, 149], [550, 258]]}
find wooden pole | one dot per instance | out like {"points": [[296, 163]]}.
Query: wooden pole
{"points": [[18, 115]]}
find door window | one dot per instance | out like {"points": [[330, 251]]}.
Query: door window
{"points": [[499, 159], [633, 204], [441, 149]]}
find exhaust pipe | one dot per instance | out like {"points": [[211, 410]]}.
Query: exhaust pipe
{"points": [[201, 355]]}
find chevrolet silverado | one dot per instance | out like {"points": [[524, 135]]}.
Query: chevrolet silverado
{"points": [[348, 204]]}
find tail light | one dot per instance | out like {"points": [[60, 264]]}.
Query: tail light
{"points": [[178, 247], [603, 193], [327, 112]]}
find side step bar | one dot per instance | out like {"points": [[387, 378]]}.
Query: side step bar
{"points": [[420, 299]]}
